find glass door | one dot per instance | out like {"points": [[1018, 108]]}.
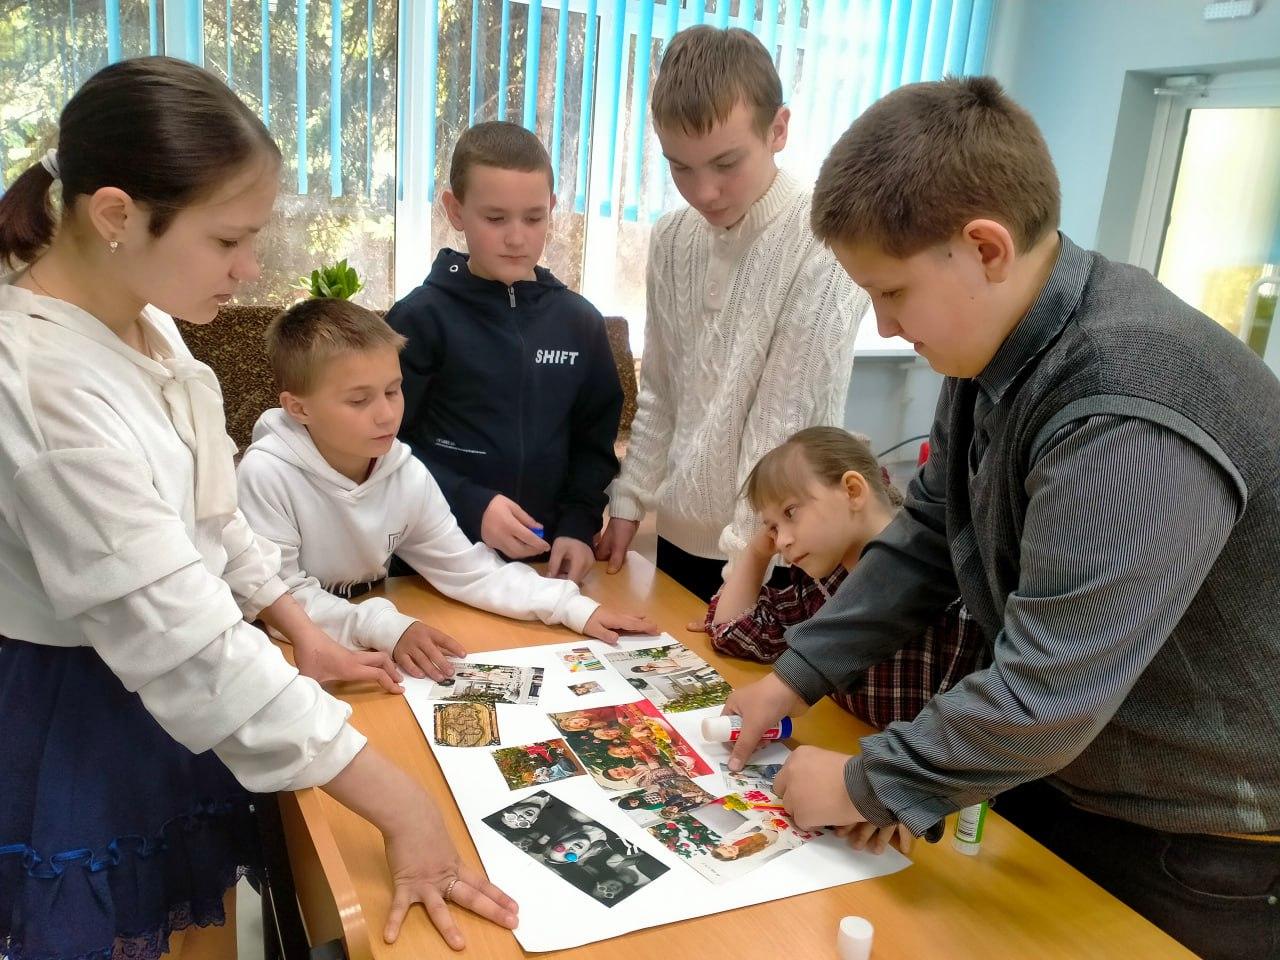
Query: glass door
{"points": [[1221, 250], [1217, 245]]}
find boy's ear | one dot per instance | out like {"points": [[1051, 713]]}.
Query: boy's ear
{"points": [[452, 209], [856, 487], [778, 129], [295, 407], [992, 246]]}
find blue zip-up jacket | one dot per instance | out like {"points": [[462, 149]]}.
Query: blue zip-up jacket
{"points": [[510, 390]]}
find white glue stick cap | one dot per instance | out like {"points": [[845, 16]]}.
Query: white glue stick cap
{"points": [[854, 940], [718, 729]]}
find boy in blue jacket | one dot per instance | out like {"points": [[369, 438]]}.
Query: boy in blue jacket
{"points": [[511, 395]]}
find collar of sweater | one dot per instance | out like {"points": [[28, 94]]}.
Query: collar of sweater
{"points": [[784, 190]]}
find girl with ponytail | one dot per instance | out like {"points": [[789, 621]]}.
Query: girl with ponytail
{"points": [[139, 708]]}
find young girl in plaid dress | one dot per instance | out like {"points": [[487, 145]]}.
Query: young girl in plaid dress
{"points": [[822, 497]]}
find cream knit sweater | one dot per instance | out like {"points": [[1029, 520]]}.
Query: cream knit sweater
{"points": [[748, 338]]}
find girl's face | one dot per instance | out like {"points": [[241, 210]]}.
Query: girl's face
{"points": [[608, 733], [208, 250], [575, 723], [569, 850], [726, 851], [521, 817], [815, 529], [609, 888]]}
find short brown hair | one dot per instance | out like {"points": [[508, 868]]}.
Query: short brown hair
{"points": [[500, 144], [829, 453], [312, 332], [705, 72], [926, 159]]}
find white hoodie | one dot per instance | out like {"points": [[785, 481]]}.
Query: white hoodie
{"points": [[333, 532], [119, 531]]}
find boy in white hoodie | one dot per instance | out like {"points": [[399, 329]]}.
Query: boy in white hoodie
{"points": [[326, 479]]}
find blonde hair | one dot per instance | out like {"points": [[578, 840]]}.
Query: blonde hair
{"points": [[311, 333], [705, 72], [829, 453]]}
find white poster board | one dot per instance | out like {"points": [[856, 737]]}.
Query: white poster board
{"points": [[546, 899]]}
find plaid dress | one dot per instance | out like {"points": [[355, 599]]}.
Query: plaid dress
{"points": [[894, 689]]}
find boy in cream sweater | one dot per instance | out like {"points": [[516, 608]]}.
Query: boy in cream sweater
{"points": [[750, 320], [328, 482]]}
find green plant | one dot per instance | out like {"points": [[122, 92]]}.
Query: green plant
{"points": [[336, 281]]}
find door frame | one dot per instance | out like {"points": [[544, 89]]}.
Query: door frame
{"points": [[1259, 88]]}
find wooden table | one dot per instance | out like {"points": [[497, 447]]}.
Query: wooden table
{"points": [[1015, 899]]}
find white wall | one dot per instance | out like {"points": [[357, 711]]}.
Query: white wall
{"points": [[891, 399], [1084, 68]]}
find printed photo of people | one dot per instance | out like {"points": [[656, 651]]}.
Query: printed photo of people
{"points": [[571, 845], [489, 683], [673, 677], [729, 837], [533, 763], [752, 776], [647, 807], [629, 746]]}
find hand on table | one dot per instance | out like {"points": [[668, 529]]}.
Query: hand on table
{"points": [[811, 786], [324, 660], [571, 559], [423, 651], [612, 545], [426, 869], [606, 625]]}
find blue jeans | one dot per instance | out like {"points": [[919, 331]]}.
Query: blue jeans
{"points": [[1217, 896]]}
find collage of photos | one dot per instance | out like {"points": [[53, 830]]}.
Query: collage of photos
{"points": [[534, 763], [571, 845], [672, 676], [633, 752], [629, 746], [489, 683], [731, 837]]}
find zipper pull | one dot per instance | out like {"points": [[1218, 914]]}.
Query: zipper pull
{"points": [[511, 295]]}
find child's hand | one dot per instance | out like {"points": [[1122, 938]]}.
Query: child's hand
{"points": [[421, 652], [612, 545], [324, 660], [867, 836], [606, 624], [811, 787], [570, 559], [763, 545], [505, 528]]}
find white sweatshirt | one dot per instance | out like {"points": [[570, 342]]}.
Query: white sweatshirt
{"points": [[119, 530], [748, 338], [333, 532]]}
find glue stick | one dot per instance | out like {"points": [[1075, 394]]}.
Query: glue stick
{"points": [[967, 836], [728, 729]]}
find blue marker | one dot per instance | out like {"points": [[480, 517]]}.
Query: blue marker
{"points": [[538, 532]]}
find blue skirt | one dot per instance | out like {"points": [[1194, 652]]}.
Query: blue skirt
{"points": [[112, 834]]}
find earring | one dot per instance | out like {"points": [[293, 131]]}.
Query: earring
{"points": [[113, 245]]}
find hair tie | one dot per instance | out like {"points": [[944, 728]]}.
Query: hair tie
{"points": [[50, 162]]}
